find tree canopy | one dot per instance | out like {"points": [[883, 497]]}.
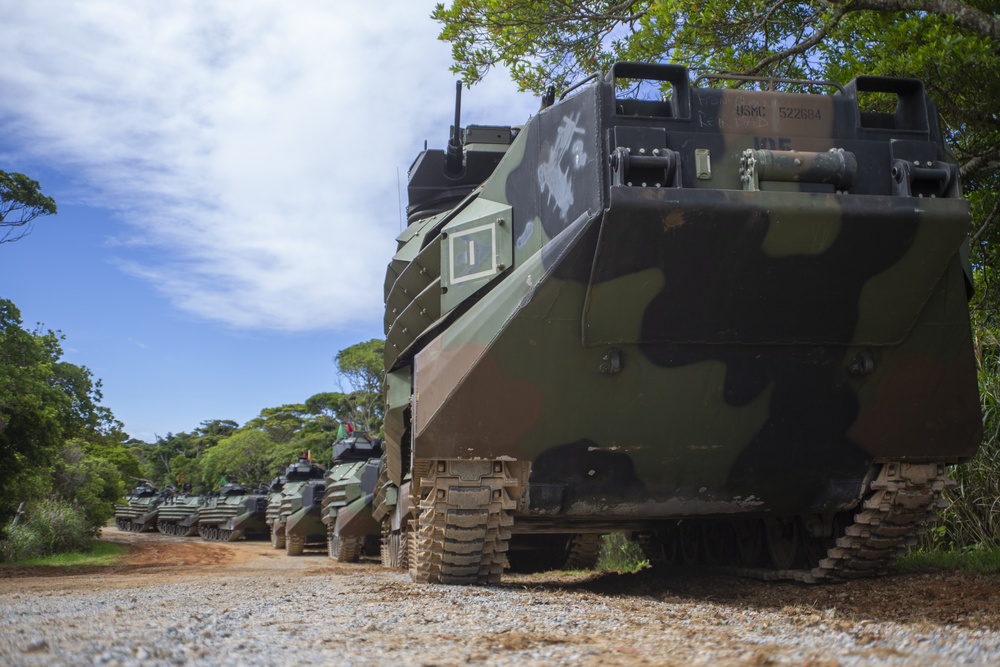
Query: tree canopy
{"points": [[258, 450], [245, 457], [361, 365], [21, 202], [56, 439], [58, 443], [952, 45]]}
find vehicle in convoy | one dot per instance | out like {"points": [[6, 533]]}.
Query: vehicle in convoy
{"points": [[351, 531], [274, 509], [139, 512], [294, 508], [178, 513], [233, 513], [728, 321]]}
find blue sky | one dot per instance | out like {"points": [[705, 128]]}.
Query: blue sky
{"points": [[226, 175]]}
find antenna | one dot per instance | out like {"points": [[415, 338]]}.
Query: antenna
{"points": [[453, 167]]}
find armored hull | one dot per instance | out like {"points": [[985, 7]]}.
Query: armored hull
{"points": [[351, 531], [293, 511], [178, 515], [234, 513], [139, 512], [745, 310]]}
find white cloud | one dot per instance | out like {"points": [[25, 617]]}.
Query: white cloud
{"points": [[254, 145]]}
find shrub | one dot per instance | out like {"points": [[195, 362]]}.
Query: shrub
{"points": [[620, 554], [50, 526], [973, 514], [91, 484]]}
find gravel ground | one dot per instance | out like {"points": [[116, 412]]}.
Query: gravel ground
{"points": [[181, 601]]}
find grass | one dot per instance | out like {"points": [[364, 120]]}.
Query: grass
{"points": [[974, 560], [101, 553], [973, 517], [620, 555]]}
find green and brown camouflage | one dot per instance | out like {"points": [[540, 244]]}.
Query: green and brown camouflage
{"points": [[392, 508], [178, 514], [234, 512], [139, 512], [351, 532], [294, 508], [719, 304]]}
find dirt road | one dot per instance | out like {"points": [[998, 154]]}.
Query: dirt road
{"points": [[178, 601]]}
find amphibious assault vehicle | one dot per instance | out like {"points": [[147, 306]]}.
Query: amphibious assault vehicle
{"points": [[727, 320], [274, 509], [178, 514], [139, 512], [351, 532], [233, 513], [293, 510]]}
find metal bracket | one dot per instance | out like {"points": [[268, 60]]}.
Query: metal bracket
{"points": [[661, 164]]}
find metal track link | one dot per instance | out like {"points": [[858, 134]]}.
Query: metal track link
{"points": [[903, 500], [295, 545], [277, 535], [584, 551], [394, 550], [218, 534], [404, 550], [344, 549], [464, 520], [384, 556]]}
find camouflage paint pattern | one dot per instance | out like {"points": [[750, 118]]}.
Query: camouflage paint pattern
{"points": [[350, 488], [692, 306], [141, 508], [237, 509], [179, 514], [296, 507], [299, 504]]}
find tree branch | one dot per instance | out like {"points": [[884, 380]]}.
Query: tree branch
{"points": [[980, 162], [964, 16], [801, 47], [989, 221]]}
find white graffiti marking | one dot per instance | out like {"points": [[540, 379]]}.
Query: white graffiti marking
{"points": [[551, 178]]}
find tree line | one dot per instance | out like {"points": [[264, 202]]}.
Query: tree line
{"points": [[68, 460], [222, 450]]}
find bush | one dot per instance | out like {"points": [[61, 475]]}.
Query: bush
{"points": [[973, 514], [49, 527], [618, 554], [91, 484]]}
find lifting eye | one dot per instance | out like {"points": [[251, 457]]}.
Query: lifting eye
{"points": [[862, 364], [611, 362]]}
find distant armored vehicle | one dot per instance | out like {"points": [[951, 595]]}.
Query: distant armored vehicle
{"points": [[274, 509], [294, 509], [233, 513], [178, 514], [347, 503], [730, 323], [139, 512]]}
